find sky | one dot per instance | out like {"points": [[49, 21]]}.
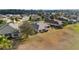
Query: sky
{"points": [[39, 4]]}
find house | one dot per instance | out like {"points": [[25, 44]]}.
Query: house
{"points": [[40, 26], [56, 24], [25, 18], [10, 30], [73, 16], [47, 18], [35, 17], [62, 18], [72, 21], [53, 13], [77, 18], [5, 18]]}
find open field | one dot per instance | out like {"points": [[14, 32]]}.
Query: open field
{"points": [[67, 38]]}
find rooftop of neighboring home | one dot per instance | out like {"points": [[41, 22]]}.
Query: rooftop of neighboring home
{"points": [[9, 27], [15, 26], [25, 18], [35, 16], [2, 16], [63, 17], [40, 25], [56, 20]]}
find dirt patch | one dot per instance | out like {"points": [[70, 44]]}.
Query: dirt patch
{"points": [[53, 39]]}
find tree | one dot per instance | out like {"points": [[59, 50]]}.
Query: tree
{"points": [[5, 43], [2, 22], [12, 19], [26, 29], [52, 16], [41, 14], [16, 19], [30, 19]]}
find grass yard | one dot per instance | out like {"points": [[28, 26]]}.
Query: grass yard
{"points": [[76, 27]]}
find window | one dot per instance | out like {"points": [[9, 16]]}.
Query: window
{"points": [[8, 35]]}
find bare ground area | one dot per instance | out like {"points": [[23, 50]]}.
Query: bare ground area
{"points": [[52, 40]]}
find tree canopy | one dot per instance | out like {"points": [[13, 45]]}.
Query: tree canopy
{"points": [[5, 43]]}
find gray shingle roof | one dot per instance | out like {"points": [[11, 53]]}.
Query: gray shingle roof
{"points": [[8, 28]]}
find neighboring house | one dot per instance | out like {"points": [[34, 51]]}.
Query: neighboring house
{"points": [[5, 18], [40, 26], [62, 18], [35, 17], [73, 16], [25, 18], [71, 21], [47, 18], [56, 23], [53, 13], [10, 30], [78, 18]]}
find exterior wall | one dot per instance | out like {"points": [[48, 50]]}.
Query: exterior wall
{"points": [[16, 35]]}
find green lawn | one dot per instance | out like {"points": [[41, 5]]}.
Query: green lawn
{"points": [[76, 27], [75, 40]]}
